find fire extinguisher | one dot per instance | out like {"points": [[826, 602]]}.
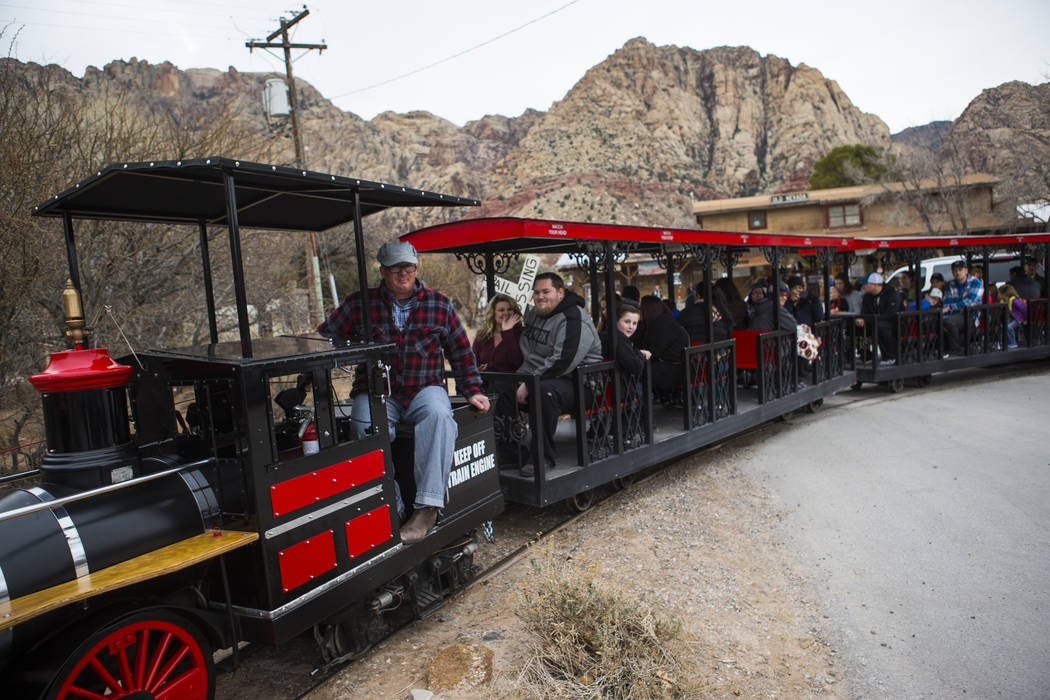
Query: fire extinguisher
{"points": [[310, 446]]}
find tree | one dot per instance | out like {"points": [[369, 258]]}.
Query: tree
{"points": [[854, 164], [144, 277]]}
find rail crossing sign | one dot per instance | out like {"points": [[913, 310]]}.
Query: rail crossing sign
{"points": [[521, 291]]}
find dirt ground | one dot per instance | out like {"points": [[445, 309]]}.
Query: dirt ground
{"points": [[698, 539]]}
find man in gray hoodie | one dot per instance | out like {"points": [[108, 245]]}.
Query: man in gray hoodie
{"points": [[558, 337]]}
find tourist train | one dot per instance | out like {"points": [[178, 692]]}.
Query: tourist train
{"points": [[192, 499]]}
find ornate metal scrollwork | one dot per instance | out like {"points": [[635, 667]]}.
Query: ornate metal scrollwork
{"points": [[587, 251], [770, 253], [475, 262], [501, 262], [824, 255], [727, 256]]}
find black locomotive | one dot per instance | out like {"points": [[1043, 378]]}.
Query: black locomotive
{"points": [[238, 507]]}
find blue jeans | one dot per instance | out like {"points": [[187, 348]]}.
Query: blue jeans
{"points": [[1011, 331], [430, 411]]}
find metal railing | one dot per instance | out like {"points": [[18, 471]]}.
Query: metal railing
{"points": [[918, 336], [777, 365], [710, 382], [835, 353]]}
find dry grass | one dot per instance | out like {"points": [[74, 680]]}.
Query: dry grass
{"points": [[590, 641]]}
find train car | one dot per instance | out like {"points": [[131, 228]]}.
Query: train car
{"points": [[195, 498], [617, 429], [917, 347]]}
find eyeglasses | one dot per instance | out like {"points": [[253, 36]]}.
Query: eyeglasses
{"points": [[406, 268]]}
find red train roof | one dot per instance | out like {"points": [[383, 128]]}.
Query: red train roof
{"points": [[510, 234]]}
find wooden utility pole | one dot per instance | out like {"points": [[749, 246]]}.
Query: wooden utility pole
{"points": [[313, 286], [293, 102]]}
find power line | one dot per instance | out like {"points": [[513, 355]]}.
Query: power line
{"points": [[456, 55]]}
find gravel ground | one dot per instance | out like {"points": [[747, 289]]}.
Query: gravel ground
{"points": [[698, 539]]}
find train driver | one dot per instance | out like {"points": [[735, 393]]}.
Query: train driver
{"points": [[420, 322]]}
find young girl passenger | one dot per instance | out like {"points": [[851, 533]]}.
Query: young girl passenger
{"points": [[629, 359]]}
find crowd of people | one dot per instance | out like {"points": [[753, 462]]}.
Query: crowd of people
{"points": [[556, 335]]}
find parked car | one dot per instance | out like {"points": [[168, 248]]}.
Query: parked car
{"points": [[998, 268]]}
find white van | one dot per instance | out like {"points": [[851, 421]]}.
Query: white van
{"points": [[998, 268]]}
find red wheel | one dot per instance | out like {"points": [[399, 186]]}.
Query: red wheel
{"points": [[155, 656]]}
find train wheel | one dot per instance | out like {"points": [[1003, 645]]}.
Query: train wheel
{"points": [[896, 386], [924, 380], [146, 656], [814, 406], [856, 386], [623, 482], [580, 502]]}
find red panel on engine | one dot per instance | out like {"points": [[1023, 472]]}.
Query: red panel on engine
{"points": [[368, 531], [321, 483], [306, 560]]}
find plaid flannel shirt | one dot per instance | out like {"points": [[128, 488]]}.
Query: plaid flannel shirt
{"points": [[958, 295], [416, 359]]}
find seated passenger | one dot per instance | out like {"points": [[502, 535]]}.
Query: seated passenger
{"points": [[734, 302], [694, 318], [931, 300], [664, 339], [421, 323], [1024, 285], [937, 280], [849, 292], [629, 359], [884, 303], [802, 303], [1017, 312], [961, 292], [496, 346], [761, 311], [557, 338], [905, 290]]}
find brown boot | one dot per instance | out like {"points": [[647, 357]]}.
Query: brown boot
{"points": [[416, 528]]}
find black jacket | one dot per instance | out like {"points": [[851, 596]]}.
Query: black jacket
{"points": [[1026, 287], [762, 317], [664, 338], [807, 309], [885, 304], [628, 359], [694, 320]]}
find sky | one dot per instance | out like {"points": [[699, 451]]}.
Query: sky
{"points": [[908, 62]]}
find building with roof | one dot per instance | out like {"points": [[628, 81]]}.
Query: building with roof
{"points": [[967, 205]]}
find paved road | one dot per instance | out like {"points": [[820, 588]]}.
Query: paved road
{"points": [[926, 519]]}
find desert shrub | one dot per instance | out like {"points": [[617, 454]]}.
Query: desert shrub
{"points": [[590, 641]]}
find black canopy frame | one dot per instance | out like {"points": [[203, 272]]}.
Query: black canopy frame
{"points": [[235, 194]]}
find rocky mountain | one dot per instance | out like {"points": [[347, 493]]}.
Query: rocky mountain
{"points": [[928, 136], [635, 139], [1006, 130]]}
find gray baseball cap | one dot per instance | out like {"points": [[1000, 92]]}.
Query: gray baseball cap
{"points": [[396, 252]]}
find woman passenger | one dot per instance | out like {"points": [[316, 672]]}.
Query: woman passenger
{"points": [[664, 339], [734, 303], [496, 345]]}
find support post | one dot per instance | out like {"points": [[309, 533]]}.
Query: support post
{"points": [[71, 252], [362, 272], [209, 292], [243, 322], [670, 278], [709, 324], [490, 277]]}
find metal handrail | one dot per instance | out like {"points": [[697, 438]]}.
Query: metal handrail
{"points": [[26, 510]]}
